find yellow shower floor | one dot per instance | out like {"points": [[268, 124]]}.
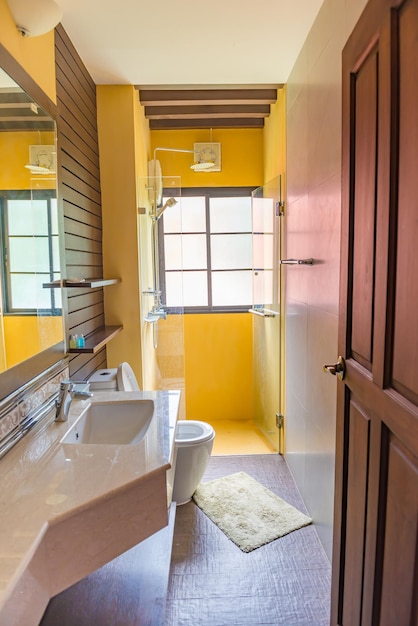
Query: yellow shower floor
{"points": [[239, 437]]}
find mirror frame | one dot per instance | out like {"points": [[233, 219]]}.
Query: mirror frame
{"points": [[23, 373]]}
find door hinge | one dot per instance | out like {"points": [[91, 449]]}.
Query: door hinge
{"points": [[279, 206], [279, 420]]}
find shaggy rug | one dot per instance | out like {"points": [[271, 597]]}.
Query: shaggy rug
{"points": [[248, 513]]}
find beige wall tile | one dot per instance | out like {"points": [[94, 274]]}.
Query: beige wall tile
{"points": [[297, 148], [324, 244], [324, 115], [299, 77], [328, 24], [296, 361], [313, 230], [353, 10], [298, 246]]}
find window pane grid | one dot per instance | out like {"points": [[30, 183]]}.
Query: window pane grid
{"points": [[31, 226], [227, 273]]}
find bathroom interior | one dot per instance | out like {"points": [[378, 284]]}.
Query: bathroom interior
{"points": [[254, 375]]}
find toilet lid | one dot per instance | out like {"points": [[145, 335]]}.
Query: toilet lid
{"points": [[190, 432], [126, 378]]}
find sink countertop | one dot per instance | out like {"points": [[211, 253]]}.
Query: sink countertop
{"points": [[46, 485]]}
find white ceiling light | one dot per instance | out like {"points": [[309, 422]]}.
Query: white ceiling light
{"points": [[35, 17]]}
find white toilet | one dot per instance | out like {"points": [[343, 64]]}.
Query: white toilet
{"points": [[121, 378], [194, 443]]}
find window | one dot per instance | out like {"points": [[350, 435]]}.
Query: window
{"points": [[206, 250], [30, 252]]}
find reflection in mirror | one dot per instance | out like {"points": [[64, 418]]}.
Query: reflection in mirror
{"points": [[31, 319]]}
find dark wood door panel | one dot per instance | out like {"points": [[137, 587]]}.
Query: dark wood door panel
{"points": [[364, 91], [399, 573], [358, 458], [405, 348], [375, 561]]}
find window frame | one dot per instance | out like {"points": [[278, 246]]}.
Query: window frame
{"points": [[25, 194], [208, 193]]}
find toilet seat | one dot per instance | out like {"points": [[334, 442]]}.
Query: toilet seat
{"points": [[190, 432], [126, 379]]}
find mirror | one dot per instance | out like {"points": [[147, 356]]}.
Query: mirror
{"points": [[31, 316]]}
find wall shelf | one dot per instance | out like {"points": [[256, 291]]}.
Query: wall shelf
{"points": [[97, 340], [82, 283]]}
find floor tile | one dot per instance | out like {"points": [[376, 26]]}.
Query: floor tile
{"points": [[214, 583]]}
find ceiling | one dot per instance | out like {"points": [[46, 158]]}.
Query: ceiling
{"points": [[214, 64], [196, 64]]}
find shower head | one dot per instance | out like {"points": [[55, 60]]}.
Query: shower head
{"points": [[201, 166], [169, 203]]}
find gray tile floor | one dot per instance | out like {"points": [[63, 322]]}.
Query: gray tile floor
{"points": [[214, 583]]}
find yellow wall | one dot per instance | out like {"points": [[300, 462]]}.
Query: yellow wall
{"points": [[35, 54], [241, 156], [218, 351], [274, 138], [14, 155], [28, 335], [122, 142]]}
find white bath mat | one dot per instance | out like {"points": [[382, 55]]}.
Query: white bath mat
{"points": [[248, 513]]}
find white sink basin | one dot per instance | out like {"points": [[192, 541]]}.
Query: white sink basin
{"points": [[121, 422]]}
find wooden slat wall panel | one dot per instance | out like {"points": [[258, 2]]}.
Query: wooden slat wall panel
{"points": [[71, 136], [79, 229], [82, 299], [80, 201], [84, 244], [79, 189], [70, 148]]}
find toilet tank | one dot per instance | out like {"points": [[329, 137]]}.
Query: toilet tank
{"points": [[104, 379]]}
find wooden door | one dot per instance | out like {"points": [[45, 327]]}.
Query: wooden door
{"points": [[375, 557]]}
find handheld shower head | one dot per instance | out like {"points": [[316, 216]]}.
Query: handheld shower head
{"points": [[169, 203]]}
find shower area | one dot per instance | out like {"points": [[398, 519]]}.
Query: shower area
{"points": [[162, 304], [162, 322]]}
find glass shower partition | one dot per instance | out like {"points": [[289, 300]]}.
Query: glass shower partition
{"points": [[267, 209], [162, 322]]}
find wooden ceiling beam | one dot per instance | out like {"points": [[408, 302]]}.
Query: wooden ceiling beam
{"points": [[202, 107], [184, 112], [181, 124], [182, 97]]}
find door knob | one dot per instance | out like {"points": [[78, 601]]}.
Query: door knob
{"points": [[336, 369]]}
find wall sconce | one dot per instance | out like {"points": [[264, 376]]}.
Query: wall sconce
{"points": [[35, 17]]}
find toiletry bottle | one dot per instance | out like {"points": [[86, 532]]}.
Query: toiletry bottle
{"points": [[81, 341]]}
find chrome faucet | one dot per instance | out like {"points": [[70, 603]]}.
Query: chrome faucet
{"points": [[66, 394]]}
